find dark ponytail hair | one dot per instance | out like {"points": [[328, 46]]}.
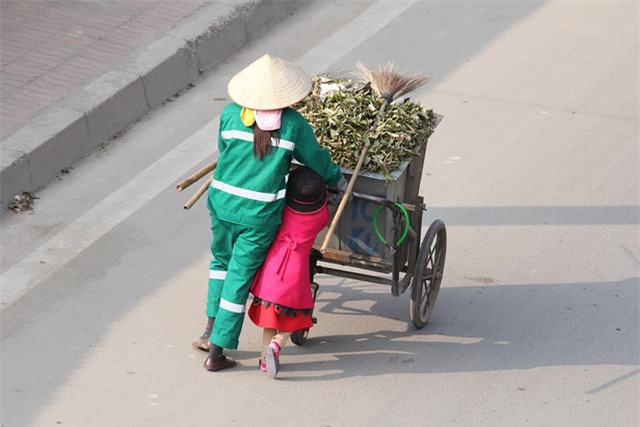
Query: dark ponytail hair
{"points": [[262, 141]]}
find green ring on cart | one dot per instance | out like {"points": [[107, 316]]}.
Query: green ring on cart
{"points": [[406, 223]]}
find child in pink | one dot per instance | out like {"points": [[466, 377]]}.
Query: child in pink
{"points": [[283, 299]]}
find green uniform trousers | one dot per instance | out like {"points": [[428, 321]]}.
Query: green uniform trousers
{"points": [[238, 251]]}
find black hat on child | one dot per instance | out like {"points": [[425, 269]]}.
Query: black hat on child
{"points": [[306, 191]]}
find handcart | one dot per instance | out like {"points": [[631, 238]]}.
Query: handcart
{"points": [[379, 232]]}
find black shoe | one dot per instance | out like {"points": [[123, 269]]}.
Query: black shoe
{"points": [[217, 365]]}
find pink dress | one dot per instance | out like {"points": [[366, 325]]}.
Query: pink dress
{"points": [[282, 286]]}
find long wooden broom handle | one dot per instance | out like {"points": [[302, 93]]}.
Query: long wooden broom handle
{"points": [[345, 199], [198, 194], [196, 176], [356, 171]]}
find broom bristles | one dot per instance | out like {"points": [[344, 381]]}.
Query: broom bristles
{"points": [[387, 81]]}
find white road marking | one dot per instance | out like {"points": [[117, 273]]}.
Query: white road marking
{"points": [[343, 41], [96, 222]]}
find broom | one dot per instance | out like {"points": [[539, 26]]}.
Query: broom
{"points": [[389, 85]]}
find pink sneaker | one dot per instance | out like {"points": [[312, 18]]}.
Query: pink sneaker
{"points": [[273, 358], [262, 366]]}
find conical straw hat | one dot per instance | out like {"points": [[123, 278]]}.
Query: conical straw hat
{"points": [[269, 83]]}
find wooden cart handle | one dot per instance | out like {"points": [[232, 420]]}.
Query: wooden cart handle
{"points": [[199, 193], [196, 176]]}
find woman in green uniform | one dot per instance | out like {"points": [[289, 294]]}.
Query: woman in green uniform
{"points": [[258, 137]]}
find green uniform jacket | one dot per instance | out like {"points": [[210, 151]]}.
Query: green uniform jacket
{"points": [[249, 191]]}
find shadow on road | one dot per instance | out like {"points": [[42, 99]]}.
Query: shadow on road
{"points": [[481, 328], [538, 215], [473, 328]]}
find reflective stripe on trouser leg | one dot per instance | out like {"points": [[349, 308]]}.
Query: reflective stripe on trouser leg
{"points": [[249, 251], [216, 281], [221, 246]]}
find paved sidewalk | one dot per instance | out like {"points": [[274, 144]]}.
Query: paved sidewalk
{"points": [[75, 73], [50, 48]]}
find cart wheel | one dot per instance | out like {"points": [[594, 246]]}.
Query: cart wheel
{"points": [[300, 337], [428, 274]]}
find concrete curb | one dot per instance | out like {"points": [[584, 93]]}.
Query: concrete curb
{"points": [[63, 134]]}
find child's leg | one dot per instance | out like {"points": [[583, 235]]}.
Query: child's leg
{"points": [[273, 352], [281, 337], [267, 336]]}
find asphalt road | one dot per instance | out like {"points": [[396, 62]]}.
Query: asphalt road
{"points": [[534, 170]]}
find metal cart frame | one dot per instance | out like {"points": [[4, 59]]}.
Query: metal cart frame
{"points": [[397, 249]]}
